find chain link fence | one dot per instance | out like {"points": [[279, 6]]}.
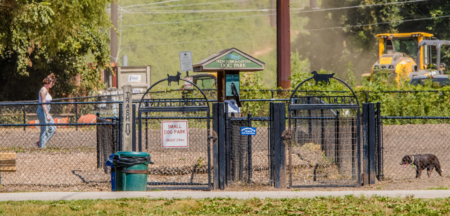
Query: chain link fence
{"points": [[324, 147], [185, 166], [413, 136], [249, 155], [72, 159]]}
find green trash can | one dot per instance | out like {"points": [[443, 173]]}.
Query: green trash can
{"points": [[131, 170]]}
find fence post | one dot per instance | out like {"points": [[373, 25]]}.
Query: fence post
{"points": [[369, 143], [250, 166], [279, 125], [146, 128], [99, 154], [228, 146], [219, 111], [337, 147], [76, 113], [353, 148], [127, 143], [119, 132], [309, 101], [271, 146], [372, 143], [322, 132], [380, 143], [24, 117], [133, 129]]}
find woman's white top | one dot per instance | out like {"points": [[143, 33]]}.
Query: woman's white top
{"points": [[48, 97]]}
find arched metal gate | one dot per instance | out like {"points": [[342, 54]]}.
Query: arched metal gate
{"points": [[324, 149], [175, 130]]}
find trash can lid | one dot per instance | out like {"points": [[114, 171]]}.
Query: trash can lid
{"points": [[132, 154]]}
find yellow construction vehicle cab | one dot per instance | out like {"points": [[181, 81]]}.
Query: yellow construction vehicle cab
{"points": [[397, 54], [433, 66]]}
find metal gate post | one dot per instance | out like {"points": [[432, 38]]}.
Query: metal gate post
{"points": [[279, 125], [380, 143], [119, 135], [250, 166], [369, 143], [146, 127], [219, 112], [337, 148], [133, 128], [271, 146], [228, 146], [99, 152], [322, 132]]}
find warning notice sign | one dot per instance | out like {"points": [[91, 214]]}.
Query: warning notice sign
{"points": [[188, 85], [175, 134]]}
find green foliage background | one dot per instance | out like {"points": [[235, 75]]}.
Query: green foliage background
{"points": [[39, 37]]}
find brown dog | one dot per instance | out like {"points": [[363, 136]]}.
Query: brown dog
{"points": [[421, 162]]}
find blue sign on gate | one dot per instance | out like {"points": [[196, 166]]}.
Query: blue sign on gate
{"points": [[248, 131]]}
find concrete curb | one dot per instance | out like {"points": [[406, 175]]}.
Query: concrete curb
{"points": [[231, 194]]}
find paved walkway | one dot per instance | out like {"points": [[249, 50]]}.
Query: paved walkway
{"points": [[202, 194]]}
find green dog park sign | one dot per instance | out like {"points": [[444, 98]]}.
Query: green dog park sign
{"points": [[229, 59], [233, 60]]}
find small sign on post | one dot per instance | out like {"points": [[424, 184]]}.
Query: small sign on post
{"points": [[186, 61], [248, 131], [127, 119], [231, 78], [175, 134], [188, 85]]}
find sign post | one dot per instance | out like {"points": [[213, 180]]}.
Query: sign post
{"points": [[127, 119]]}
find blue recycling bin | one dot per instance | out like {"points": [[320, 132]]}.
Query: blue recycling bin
{"points": [[110, 163]]}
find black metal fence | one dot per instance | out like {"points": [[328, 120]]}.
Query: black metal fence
{"points": [[74, 157]]}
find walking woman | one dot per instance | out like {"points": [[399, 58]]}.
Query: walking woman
{"points": [[43, 112]]}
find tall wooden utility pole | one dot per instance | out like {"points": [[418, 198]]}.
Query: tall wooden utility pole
{"points": [[113, 37], [283, 45], [313, 4]]}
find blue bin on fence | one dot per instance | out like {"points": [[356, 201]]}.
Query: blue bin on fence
{"points": [[110, 163]]}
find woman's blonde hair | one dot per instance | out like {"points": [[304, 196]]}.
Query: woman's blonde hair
{"points": [[49, 79]]}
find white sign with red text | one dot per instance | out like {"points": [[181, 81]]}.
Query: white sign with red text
{"points": [[188, 85], [175, 134]]}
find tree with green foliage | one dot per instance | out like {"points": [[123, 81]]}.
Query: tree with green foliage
{"points": [[39, 37], [345, 31]]}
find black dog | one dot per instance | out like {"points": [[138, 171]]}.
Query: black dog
{"points": [[174, 78], [322, 77], [421, 162]]}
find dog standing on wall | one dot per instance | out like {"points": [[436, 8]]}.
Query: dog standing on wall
{"points": [[174, 78], [322, 77], [421, 162]]}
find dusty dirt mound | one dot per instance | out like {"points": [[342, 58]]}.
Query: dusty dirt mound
{"points": [[310, 166]]}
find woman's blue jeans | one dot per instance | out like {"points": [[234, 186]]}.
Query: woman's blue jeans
{"points": [[46, 131]]}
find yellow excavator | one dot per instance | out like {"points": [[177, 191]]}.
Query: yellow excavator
{"points": [[397, 54]]}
